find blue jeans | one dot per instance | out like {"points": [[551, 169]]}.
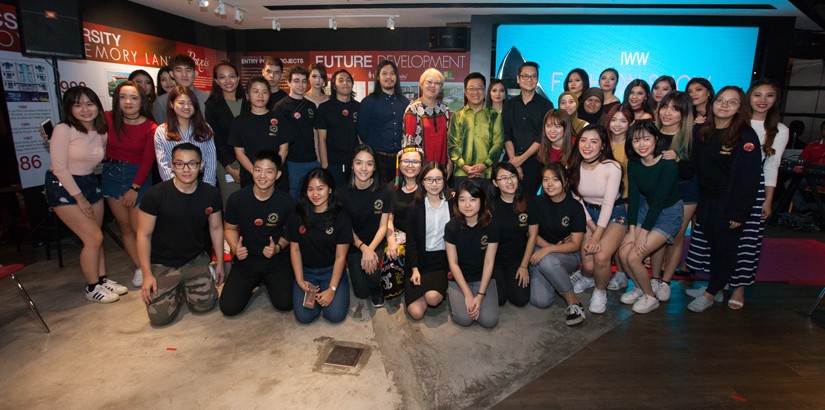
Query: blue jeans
{"points": [[336, 311], [297, 170]]}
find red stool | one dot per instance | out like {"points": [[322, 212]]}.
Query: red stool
{"points": [[9, 271]]}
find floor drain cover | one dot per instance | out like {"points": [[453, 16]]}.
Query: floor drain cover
{"points": [[341, 357], [344, 356]]}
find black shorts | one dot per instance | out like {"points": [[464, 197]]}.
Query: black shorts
{"points": [[56, 194]]}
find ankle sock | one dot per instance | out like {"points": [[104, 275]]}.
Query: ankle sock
{"points": [[90, 288], [102, 279]]}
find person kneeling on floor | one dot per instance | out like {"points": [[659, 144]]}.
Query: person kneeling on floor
{"points": [[170, 240]]}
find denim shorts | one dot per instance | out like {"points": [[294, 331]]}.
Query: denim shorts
{"points": [[118, 178], [689, 191], [56, 194], [669, 221], [618, 216]]}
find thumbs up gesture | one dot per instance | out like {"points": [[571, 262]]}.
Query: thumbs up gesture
{"points": [[240, 251], [269, 250]]}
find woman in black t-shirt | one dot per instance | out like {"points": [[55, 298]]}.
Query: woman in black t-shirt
{"points": [[256, 130], [517, 221], [368, 204], [426, 263], [319, 235], [562, 224], [471, 241]]}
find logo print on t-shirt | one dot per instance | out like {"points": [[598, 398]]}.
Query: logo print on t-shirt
{"points": [[311, 112], [272, 218], [565, 222], [522, 218], [208, 211], [483, 241], [355, 116], [330, 230], [258, 222], [345, 113], [273, 130], [378, 205]]}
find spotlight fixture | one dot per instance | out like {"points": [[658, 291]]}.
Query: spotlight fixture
{"points": [[276, 25], [333, 25], [221, 9], [390, 23], [238, 15], [203, 4]]}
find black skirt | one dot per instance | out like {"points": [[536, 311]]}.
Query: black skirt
{"points": [[433, 269]]}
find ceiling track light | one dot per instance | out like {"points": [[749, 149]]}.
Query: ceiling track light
{"points": [[333, 25], [276, 25], [390, 23], [203, 4], [221, 9], [238, 15], [332, 22]]}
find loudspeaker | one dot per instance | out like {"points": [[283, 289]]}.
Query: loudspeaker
{"points": [[50, 28], [448, 39]]}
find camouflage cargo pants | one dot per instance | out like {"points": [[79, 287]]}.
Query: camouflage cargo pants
{"points": [[192, 281]]}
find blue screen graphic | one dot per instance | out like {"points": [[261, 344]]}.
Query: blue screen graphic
{"points": [[723, 55]]}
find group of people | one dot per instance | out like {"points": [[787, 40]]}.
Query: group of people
{"points": [[314, 194]]}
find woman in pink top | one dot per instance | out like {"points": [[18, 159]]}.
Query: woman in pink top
{"points": [[130, 153], [596, 181], [77, 146]]}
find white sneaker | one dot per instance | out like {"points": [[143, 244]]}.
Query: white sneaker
{"points": [[115, 287], [655, 283], [598, 302], [576, 276], [101, 295], [646, 304], [663, 293], [700, 304], [696, 292], [137, 279], [630, 297], [573, 315], [583, 284], [618, 281]]}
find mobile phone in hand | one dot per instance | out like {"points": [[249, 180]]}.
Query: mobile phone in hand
{"points": [[47, 127]]}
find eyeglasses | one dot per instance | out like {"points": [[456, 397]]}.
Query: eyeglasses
{"points": [[475, 89], [507, 178], [434, 180], [526, 77], [179, 165], [409, 162], [435, 83], [726, 102]]}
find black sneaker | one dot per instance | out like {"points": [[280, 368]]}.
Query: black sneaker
{"points": [[377, 298], [575, 314]]}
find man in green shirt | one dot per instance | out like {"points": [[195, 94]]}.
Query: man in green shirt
{"points": [[476, 137]]}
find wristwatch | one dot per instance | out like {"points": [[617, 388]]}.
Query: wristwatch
{"points": [[334, 289], [135, 188]]}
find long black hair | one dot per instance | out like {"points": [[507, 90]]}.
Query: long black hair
{"points": [[376, 92], [305, 207], [117, 113], [520, 200]]}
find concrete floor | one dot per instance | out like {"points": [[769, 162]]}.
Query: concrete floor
{"points": [[108, 356]]}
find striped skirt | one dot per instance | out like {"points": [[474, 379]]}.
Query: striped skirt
{"points": [[750, 245]]}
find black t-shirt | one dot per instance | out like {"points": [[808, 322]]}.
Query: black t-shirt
{"points": [[558, 220], [255, 133], [275, 97], [318, 238], [365, 209], [512, 230], [471, 245], [340, 119], [181, 218], [522, 123], [296, 119], [258, 220], [402, 207]]}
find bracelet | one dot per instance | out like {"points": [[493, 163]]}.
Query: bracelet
{"points": [[359, 246], [482, 293], [280, 248], [523, 267]]}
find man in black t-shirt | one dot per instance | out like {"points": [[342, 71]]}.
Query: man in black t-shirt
{"points": [[273, 70], [170, 240], [296, 119], [522, 119], [337, 127], [255, 220]]}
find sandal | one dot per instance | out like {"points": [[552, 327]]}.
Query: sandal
{"points": [[735, 304]]}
